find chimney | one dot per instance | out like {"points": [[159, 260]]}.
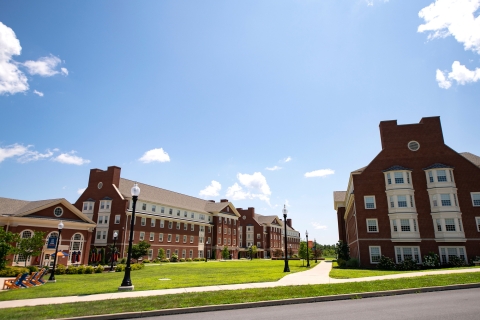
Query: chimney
{"points": [[289, 223], [211, 201], [224, 200]]}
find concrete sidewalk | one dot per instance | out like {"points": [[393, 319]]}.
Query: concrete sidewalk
{"points": [[316, 275]]}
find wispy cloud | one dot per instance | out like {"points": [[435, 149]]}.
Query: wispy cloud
{"points": [[70, 158], [318, 226], [64, 71], [211, 190], [81, 190], [155, 155], [40, 94], [274, 168], [24, 154], [287, 159], [370, 3], [11, 151], [319, 173], [44, 66]]}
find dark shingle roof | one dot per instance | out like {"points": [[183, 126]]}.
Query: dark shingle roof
{"points": [[437, 166], [396, 168]]}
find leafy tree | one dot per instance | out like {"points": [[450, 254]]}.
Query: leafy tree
{"points": [[342, 250], [253, 250], [316, 251], [277, 253], [161, 254], [102, 254], [30, 247], [6, 248], [140, 249], [302, 251], [225, 253]]}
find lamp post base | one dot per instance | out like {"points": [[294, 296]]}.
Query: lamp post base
{"points": [[52, 281], [126, 288]]}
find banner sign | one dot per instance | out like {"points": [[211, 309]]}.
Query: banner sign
{"points": [[52, 243]]}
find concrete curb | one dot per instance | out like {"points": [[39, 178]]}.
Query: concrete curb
{"points": [[165, 312]]}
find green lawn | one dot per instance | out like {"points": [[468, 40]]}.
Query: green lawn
{"points": [[228, 297], [182, 275]]}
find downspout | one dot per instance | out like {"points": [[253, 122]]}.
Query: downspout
{"points": [[356, 230]]}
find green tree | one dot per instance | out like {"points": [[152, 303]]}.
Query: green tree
{"points": [[342, 251], [253, 250], [277, 253], [6, 248], [140, 249], [102, 253], [302, 251], [30, 247], [161, 254], [225, 253], [317, 251]]}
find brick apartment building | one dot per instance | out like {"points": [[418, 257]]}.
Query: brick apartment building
{"points": [[265, 232], [416, 196], [26, 217], [183, 225]]}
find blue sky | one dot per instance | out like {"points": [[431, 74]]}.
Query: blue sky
{"points": [[260, 102]]}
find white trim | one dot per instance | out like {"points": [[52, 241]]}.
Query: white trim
{"points": [[376, 225], [370, 253], [471, 197], [365, 202]]}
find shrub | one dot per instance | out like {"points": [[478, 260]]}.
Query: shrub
{"points": [[174, 258], [123, 261], [12, 271], [189, 260], [407, 264], [182, 260], [386, 263], [71, 270], [60, 269], [89, 270], [431, 260], [341, 263], [352, 263], [120, 268], [99, 269], [165, 260], [146, 261], [32, 269], [81, 269], [455, 262], [137, 266], [295, 256]]}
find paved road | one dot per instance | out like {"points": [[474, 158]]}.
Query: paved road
{"points": [[443, 305]]}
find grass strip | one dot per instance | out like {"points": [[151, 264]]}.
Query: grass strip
{"points": [[186, 300]]}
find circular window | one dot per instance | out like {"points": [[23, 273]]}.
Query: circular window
{"points": [[413, 145], [244, 217], [58, 212], [100, 185]]}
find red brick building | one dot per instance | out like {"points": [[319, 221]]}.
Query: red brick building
{"points": [[265, 232], [416, 196], [183, 225], [26, 217]]}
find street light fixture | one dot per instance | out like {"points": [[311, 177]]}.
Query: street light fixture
{"points": [[52, 275], [127, 282], [285, 211], [308, 260], [114, 249]]}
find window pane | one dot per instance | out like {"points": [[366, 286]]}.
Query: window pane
{"points": [[402, 201], [441, 176], [445, 200], [398, 177], [450, 224], [405, 224]]}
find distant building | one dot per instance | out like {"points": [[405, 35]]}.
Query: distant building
{"points": [[266, 233], [416, 196], [26, 217]]}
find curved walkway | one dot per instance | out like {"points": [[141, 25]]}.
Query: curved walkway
{"points": [[316, 275]]}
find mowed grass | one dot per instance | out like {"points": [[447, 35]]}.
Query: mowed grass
{"points": [[228, 297], [181, 275]]}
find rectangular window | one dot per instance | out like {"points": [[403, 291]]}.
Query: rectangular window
{"points": [[372, 225], [202, 228], [225, 241], [170, 211], [439, 224], [99, 235], [403, 253], [219, 229], [451, 175], [434, 200], [234, 232], [234, 242], [144, 206], [389, 178], [160, 237], [392, 203], [411, 201], [398, 177], [185, 226], [170, 224], [162, 223], [162, 210], [441, 176], [447, 253], [100, 219], [369, 202], [85, 206], [178, 225], [169, 238], [459, 224], [402, 201], [184, 253], [117, 219], [408, 177], [105, 219], [185, 214], [200, 239], [258, 237], [142, 236], [144, 221], [375, 254], [477, 220], [430, 176], [152, 236], [178, 213], [450, 224], [414, 225], [184, 239], [153, 222], [150, 254], [168, 253], [102, 205], [455, 200], [192, 215], [405, 225], [191, 239], [475, 199], [192, 227], [445, 200], [190, 254], [177, 238], [154, 208]]}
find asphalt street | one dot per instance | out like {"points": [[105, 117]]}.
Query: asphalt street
{"points": [[443, 305]]}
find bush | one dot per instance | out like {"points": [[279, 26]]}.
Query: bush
{"points": [[189, 260], [99, 269], [341, 263], [81, 269], [386, 263], [89, 270], [146, 261], [174, 258], [12, 271], [60, 269], [71, 270], [407, 264], [455, 262], [165, 260], [120, 268], [352, 263], [431, 260], [32, 269], [182, 260], [137, 266], [123, 261]]}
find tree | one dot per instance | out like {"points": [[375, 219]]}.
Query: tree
{"points": [[30, 247], [253, 250], [302, 251], [161, 254], [6, 248], [140, 249], [102, 259], [342, 250], [317, 251], [225, 253], [277, 253]]}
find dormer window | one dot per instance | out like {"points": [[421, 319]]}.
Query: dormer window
{"points": [[398, 177], [441, 176]]}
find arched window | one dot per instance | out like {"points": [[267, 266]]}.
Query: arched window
{"points": [[26, 234], [53, 234], [20, 258], [76, 243]]}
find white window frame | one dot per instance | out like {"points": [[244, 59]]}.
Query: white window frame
{"points": [[117, 219], [143, 221], [192, 227], [370, 253], [451, 247], [365, 202], [142, 236], [152, 236], [160, 237], [153, 222], [376, 225], [473, 200], [169, 238], [162, 223], [477, 220], [402, 253]]}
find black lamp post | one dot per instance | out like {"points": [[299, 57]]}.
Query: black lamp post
{"points": [[114, 249], [127, 282], [206, 250], [285, 211], [308, 260], [52, 275]]}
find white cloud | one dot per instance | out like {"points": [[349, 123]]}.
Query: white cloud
{"points": [[211, 190], [40, 94], [44, 66], [318, 226], [31, 155], [81, 190], [14, 150], [461, 74], [155, 155], [256, 185], [274, 168], [287, 159], [371, 2], [70, 158], [319, 173], [287, 203], [455, 18], [12, 80], [64, 71], [442, 81], [236, 192]]}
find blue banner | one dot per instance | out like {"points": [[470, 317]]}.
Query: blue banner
{"points": [[52, 243]]}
